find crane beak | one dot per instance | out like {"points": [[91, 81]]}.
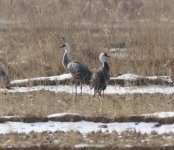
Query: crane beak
{"points": [[107, 55], [62, 46]]}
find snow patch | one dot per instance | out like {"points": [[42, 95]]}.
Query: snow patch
{"points": [[87, 145], [84, 127], [111, 89], [8, 117], [60, 77], [130, 76], [160, 114], [127, 76], [63, 114], [165, 78]]}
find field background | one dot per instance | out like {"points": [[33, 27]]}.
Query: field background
{"points": [[138, 34], [31, 32]]}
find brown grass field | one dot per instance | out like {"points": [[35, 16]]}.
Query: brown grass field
{"points": [[44, 103], [31, 36], [31, 33], [40, 104]]}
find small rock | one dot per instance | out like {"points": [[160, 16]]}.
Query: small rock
{"points": [[103, 126]]}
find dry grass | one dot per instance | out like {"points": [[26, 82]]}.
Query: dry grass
{"points": [[37, 53], [31, 33], [32, 48], [46, 103], [67, 140]]}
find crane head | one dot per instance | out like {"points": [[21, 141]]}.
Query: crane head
{"points": [[65, 46]]}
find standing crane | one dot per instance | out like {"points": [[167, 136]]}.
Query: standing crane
{"points": [[170, 66], [80, 72], [101, 77], [4, 79]]}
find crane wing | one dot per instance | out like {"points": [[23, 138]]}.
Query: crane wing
{"points": [[79, 70]]}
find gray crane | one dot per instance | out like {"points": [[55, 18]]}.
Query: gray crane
{"points": [[4, 79], [80, 72], [101, 77], [170, 66]]}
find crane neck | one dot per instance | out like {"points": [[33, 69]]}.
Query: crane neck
{"points": [[66, 59], [106, 65]]}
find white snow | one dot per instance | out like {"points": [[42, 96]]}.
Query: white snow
{"points": [[160, 114], [88, 145], [84, 127], [63, 114], [60, 77], [111, 89], [130, 76], [127, 76], [156, 114], [9, 117], [165, 78]]}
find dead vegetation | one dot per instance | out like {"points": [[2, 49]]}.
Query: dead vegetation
{"points": [[30, 35], [94, 141], [30, 46], [43, 103], [33, 54]]}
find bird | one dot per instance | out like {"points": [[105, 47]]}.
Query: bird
{"points": [[79, 71], [170, 65], [101, 77], [4, 79]]}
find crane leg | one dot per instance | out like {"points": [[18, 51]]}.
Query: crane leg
{"points": [[103, 94], [76, 89], [99, 94], [94, 93], [81, 87]]}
